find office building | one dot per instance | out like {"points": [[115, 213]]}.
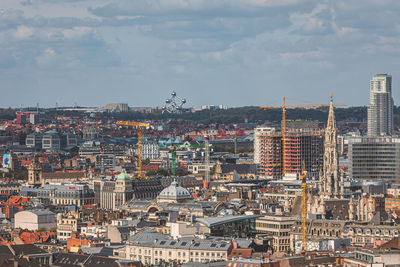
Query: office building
{"points": [[117, 107], [277, 227], [61, 193], [34, 140], [380, 110], [374, 158]]}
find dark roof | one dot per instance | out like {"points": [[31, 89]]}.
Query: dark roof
{"points": [[63, 175], [21, 262], [26, 249], [125, 229], [239, 168], [70, 259]]}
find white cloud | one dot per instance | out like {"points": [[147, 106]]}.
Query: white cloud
{"points": [[222, 43], [76, 32], [24, 32], [46, 58]]}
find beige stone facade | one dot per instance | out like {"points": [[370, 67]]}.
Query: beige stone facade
{"points": [[277, 227]]}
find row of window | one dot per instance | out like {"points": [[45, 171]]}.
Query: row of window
{"points": [[180, 254]]}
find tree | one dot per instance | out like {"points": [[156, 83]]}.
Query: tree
{"points": [[212, 171], [182, 172]]}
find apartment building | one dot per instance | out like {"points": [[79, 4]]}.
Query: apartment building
{"points": [[151, 248], [362, 235], [66, 225]]}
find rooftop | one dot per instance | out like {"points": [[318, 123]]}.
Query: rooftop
{"points": [[214, 221]]}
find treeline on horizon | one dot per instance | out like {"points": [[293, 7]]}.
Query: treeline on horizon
{"points": [[251, 114]]}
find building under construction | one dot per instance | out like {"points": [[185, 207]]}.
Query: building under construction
{"points": [[303, 145]]}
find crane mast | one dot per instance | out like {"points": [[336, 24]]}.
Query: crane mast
{"points": [[140, 127], [207, 162], [140, 151], [304, 210], [284, 137]]}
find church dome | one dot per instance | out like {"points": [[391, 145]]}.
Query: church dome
{"points": [[174, 192], [123, 176]]}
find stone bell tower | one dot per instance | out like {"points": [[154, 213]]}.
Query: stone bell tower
{"points": [[35, 173], [330, 178]]}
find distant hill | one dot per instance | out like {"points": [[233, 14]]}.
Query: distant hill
{"points": [[251, 114]]}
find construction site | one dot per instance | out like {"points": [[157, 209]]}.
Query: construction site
{"points": [[303, 145]]}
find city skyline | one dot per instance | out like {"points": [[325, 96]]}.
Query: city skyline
{"points": [[234, 53]]}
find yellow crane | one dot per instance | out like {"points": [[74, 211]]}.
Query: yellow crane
{"points": [[284, 107], [304, 208], [139, 126]]}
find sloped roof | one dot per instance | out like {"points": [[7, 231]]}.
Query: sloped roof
{"points": [[70, 259], [147, 236]]}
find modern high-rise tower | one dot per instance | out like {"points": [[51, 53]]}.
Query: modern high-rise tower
{"points": [[380, 110]]}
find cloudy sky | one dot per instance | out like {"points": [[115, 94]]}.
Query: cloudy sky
{"points": [[231, 52]]}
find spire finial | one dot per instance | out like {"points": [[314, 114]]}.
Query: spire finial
{"points": [[331, 98]]}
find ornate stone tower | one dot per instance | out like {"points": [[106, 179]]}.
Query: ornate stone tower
{"points": [[35, 173], [330, 179]]}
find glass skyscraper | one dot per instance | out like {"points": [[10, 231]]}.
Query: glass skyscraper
{"points": [[380, 110]]}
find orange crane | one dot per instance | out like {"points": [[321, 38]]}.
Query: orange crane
{"points": [[140, 127], [284, 107]]}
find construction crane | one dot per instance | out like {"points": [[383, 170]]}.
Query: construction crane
{"points": [[304, 208], [206, 181], [140, 127], [235, 140], [173, 150], [284, 107]]}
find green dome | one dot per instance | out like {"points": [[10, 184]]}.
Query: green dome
{"points": [[123, 176]]}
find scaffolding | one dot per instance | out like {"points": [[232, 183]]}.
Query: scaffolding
{"points": [[302, 146]]}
